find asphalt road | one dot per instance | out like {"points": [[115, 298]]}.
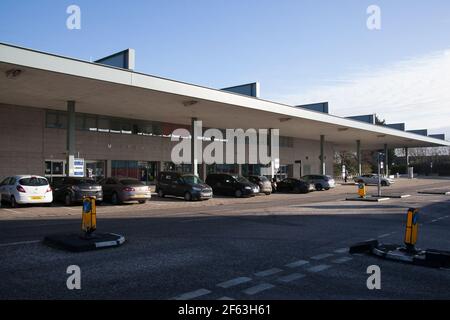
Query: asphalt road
{"points": [[276, 247]]}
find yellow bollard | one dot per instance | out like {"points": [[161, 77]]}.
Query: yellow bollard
{"points": [[89, 215], [412, 229], [362, 190]]}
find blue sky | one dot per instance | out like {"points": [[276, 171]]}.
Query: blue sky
{"points": [[300, 51]]}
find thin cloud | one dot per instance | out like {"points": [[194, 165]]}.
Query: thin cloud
{"points": [[415, 91]]}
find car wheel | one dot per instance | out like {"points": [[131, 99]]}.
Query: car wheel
{"points": [[319, 187], [384, 184], [68, 199], [142, 201], [13, 202], [267, 193], [160, 193], [187, 196], [327, 189], [238, 193], [115, 199]]}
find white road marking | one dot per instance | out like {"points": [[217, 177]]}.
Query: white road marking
{"points": [[72, 209], [318, 268], [341, 250], [342, 260], [225, 298], [268, 272], [258, 288], [18, 243], [435, 220], [200, 219], [384, 235], [192, 294], [234, 282], [291, 277], [11, 210], [322, 256], [296, 264]]}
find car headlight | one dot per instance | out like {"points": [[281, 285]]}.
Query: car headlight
{"points": [[248, 188]]}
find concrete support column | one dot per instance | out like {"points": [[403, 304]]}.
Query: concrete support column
{"points": [[407, 158], [273, 170], [239, 169], [203, 172], [386, 160], [70, 136], [322, 154], [194, 151], [108, 168], [358, 156]]}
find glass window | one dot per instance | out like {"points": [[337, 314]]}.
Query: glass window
{"points": [[116, 126], [57, 167], [90, 123], [48, 167], [51, 120], [127, 127], [79, 121], [191, 179], [103, 124], [33, 182], [131, 182], [55, 119]]}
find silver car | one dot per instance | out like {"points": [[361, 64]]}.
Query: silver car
{"points": [[320, 181], [373, 180], [119, 190]]}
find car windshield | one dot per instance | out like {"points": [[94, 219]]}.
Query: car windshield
{"points": [[264, 179], [190, 179], [240, 179], [33, 182], [76, 182], [130, 182], [327, 178]]}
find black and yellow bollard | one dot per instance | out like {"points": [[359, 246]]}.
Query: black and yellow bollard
{"points": [[89, 216], [412, 229], [362, 190]]}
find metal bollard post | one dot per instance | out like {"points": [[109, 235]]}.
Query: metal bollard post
{"points": [[89, 216]]}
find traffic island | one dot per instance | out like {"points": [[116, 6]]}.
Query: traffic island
{"points": [[362, 195], [435, 191], [87, 240], [368, 198], [407, 253], [79, 243], [395, 195]]}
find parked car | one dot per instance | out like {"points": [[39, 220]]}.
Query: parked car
{"points": [[373, 179], [71, 190], [295, 185], [320, 181], [265, 186], [231, 185], [120, 189], [25, 189], [188, 186]]}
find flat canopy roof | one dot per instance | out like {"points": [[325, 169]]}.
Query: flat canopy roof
{"points": [[49, 81]]}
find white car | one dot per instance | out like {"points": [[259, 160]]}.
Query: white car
{"points": [[373, 179], [25, 189]]}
